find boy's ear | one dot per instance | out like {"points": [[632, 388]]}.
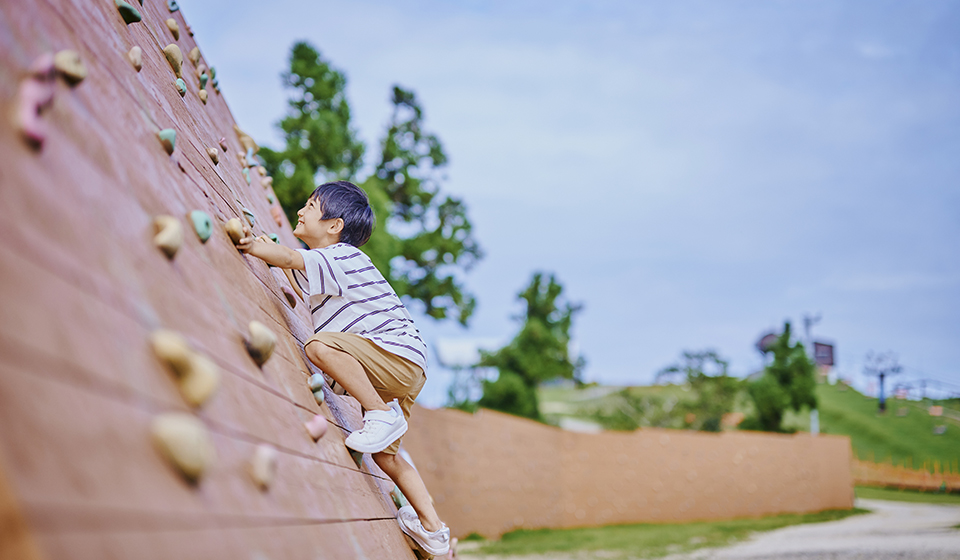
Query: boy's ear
{"points": [[336, 227]]}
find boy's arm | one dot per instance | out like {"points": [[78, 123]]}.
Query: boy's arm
{"points": [[270, 252]]}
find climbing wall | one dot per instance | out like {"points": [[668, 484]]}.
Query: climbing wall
{"points": [[154, 397]]}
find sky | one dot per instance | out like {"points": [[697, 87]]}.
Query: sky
{"points": [[694, 173]]}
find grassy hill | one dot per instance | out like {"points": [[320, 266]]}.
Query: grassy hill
{"points": [[904, 435]]}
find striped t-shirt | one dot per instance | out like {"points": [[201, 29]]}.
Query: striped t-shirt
{"points": [[348, 294]]}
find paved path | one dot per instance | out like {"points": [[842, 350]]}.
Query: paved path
{"points": [[894, 531]]}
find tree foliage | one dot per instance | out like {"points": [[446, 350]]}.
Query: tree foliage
{"points": [[423, 238], [716, 392], [789, 382], [539, 352]]}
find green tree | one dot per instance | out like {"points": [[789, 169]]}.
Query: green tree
{"points": [[423, 239], [319, 142], [539, 352], [716, 392], [788, 382]]}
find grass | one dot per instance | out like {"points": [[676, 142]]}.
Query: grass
{"points": [[891, 494], [648, 540]]}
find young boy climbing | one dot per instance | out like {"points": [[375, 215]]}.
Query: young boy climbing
{"points": [[364, 338]]}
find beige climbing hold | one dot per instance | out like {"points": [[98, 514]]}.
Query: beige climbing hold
{"points": [[234, 228], [260, 342], [203, 96], [246, 140], [263, 466], [198, 377], [214, 155], [135, 56], [175, 58], [194, 55], [267, 182], [167, 234], [184, 441], [262, 170], [201, 68], [68, 63], [174, 28], [316, 427]]}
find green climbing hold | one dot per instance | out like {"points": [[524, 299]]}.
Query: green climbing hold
{"points": [[202, 224], [128, 12], [172, 6], [168, 137], [270, 198], [318, 396], [317, 382], [181, 87], [203, 80], [249, 216], [274, 237], [399, 499], [246, 174], [213, 73], [357, 456]]}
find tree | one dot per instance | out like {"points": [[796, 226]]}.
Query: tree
{"points": [[320, 143], [539, 352], [788, 382], [716, 392], [423, 238]]}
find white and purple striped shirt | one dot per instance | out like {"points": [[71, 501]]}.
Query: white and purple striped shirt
{"points": [[348, 294]]}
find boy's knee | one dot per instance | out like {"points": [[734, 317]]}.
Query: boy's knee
{"points": [[317, 352]]}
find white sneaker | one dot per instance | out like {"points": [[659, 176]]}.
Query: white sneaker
{"points": [[436, 543], [380, 429]]}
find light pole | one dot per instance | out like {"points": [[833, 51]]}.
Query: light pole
{"points": [[882, 365]]}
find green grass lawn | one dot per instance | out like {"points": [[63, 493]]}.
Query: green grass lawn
{"points": [[895, 495], [648, 540]]}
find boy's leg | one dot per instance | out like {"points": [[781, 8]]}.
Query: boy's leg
{"points": [[348, 372], [410, 483]]}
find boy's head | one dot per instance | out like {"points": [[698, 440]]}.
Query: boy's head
{"points": [[344, 201]]}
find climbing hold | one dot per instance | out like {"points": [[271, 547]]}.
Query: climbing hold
{"points": [[270, 198], [135, 56], [216, 85], [246, 174], [175, 58], [399, 499], [194, 55], [263, 466], [184, 441], [245, 140], [223, 144], [128, 12], [167, 234], [317, 427], [316, 382], [291, 297], [202, 224], [262, 170], [200, 70], [197, 375], [260, 342], [274, 237], [213, 75], [277, 214], [251, 219], [214, 155], [68, 63], [168, 137], [318, 396], [189, 30], [203, 80], [172, 5], [234, 229], [174, 28], [267, 182], [357, 457], [203, 96], [250, 161], [35, 94], [181, 87]]}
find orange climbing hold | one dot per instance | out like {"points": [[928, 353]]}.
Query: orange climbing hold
{"points": [[260, 342]]}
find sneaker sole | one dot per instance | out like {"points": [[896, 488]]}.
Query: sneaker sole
{"points": [[415, 537], [373, 448]]}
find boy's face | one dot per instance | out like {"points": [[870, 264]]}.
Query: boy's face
{"points": [[313, 230]]}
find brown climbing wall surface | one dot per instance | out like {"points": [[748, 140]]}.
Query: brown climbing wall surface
{"points": [[556, 478], [83, 288]]}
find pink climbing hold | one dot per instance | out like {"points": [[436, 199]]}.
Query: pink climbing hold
{"points": [[34, 95], [277, 214], [317, 427]]}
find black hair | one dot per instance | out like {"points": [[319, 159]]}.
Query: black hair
{"points": [[344, 200]]}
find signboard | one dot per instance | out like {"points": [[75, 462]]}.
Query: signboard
{"points": [[823, 354]]}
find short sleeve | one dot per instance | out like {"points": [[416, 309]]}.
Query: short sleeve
{"points": [[321, 274]]}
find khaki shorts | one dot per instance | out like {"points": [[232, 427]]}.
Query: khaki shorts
{"points": [[392, 377]]}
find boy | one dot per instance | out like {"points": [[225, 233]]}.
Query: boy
{"points": [[364, 337]]}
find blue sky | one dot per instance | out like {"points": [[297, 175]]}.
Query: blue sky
{"points": [[695, 173]]}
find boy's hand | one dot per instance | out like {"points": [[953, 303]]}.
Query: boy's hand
{"points": [[246, 242]]}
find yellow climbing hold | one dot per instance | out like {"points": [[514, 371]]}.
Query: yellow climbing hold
{"points": [[214, 155], [197, 376], [135, 56], [167, 234], [203, 96], [194, 55], [234, 229], [174, 28], [263, 466], [68, 63], [267, 182], [262, 170], [175, 58], [184, 441], [260, 342]]}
